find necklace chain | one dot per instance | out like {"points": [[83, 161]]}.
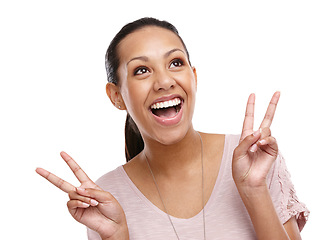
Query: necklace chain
{"points": [[154, 179]]}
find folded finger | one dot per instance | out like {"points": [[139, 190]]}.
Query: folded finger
{"points": [[267, 141], [74, 204], [73, 195], [99, 195], [264, 133], [57, 181], [108, 205], [248, 144], [269, 145]]}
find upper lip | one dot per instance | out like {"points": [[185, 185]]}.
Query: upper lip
{"points": [[166, 98]]}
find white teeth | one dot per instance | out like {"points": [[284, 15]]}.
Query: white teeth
{"points": [[166, 104]]}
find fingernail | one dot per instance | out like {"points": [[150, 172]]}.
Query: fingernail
{"points": [[262, 142], [257, 133], [93, 202], [85, 205], [253, 148], [82, 190]]}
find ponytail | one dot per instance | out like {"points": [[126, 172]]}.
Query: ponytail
{"points": [[134, 143]]}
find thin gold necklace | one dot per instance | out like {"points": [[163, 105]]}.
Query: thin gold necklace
{"points": [[166, 211]]}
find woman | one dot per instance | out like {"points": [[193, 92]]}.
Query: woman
{"points": [[179, 183]]}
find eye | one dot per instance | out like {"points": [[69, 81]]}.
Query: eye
{"points": [[140, 70], [176, 63]]}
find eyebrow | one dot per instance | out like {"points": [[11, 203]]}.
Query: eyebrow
{"points": [[167, 54], [143, 58], [146, 59]]}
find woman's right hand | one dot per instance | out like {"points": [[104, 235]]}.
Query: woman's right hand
{"points": [[89, 204]]}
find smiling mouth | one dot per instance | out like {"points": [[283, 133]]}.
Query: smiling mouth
{"points": [[167, 109]]}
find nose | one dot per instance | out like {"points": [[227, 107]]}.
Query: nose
{"points": [[163, 81]]}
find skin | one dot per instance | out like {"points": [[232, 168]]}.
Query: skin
{"points": [[153, 64], [162, 78]]}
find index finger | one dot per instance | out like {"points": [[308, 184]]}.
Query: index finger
{"points": [[267, 121], [75, 168], [247, 128], [57, 181]]}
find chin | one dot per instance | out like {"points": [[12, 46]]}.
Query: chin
{"points": [[170, 136]]}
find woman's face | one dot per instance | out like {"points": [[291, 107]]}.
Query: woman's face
{"points": [[157, 83]]}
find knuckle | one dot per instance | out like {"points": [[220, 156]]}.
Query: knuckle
{"points": [[48, 175], [69, 203], [249, 115], [269, 116], [104, 196], [248, 138], [236, 152], [76, 169], [269, 132], [108, 195], [273, 140], [71, 194], [266, 131], [60, 183]]}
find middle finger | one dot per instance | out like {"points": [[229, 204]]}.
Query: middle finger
{"points": [[75, 168], [267, 121]]}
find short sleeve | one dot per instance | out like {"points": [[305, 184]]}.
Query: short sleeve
{"points": [[92, 235], [284, 196]]}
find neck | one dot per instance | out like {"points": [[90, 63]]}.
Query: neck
{"points": [[175, 158]]}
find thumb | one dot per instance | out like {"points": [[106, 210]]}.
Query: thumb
{"points": [[248, 144], [108, 205], [97, 194]]}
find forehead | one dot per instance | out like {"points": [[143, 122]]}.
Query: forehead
{"points": [[147, 41]]}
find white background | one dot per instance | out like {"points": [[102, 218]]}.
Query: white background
{"points": [[52, 92]]}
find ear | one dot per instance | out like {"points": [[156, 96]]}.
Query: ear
{"points": [[115, 96], [195, 75]]}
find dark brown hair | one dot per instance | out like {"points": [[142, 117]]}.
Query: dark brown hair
{"points": [[134, 143]]}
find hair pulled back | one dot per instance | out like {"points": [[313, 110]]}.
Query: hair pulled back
{"points": [[134, 143]]}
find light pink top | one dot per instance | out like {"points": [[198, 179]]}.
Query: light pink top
{"points": [[225, 214]]}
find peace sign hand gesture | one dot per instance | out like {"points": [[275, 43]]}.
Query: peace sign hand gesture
{"points": [[89, 204], [257, 150]]}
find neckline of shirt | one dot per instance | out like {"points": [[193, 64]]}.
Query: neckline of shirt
{"points": [[209, 202]]}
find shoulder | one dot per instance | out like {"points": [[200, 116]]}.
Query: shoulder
{"points": [[111, 179], [118, 184], [220, 140], [232, 139]]}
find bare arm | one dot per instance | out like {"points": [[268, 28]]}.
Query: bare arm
{"points": [[252, 161], [264, 217]]}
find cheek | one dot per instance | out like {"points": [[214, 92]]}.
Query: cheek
{"points": [[188, 82], [189, 86], [134, 94]]}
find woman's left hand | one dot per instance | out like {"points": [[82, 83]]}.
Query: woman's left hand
{"points": [[257, 150]]}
